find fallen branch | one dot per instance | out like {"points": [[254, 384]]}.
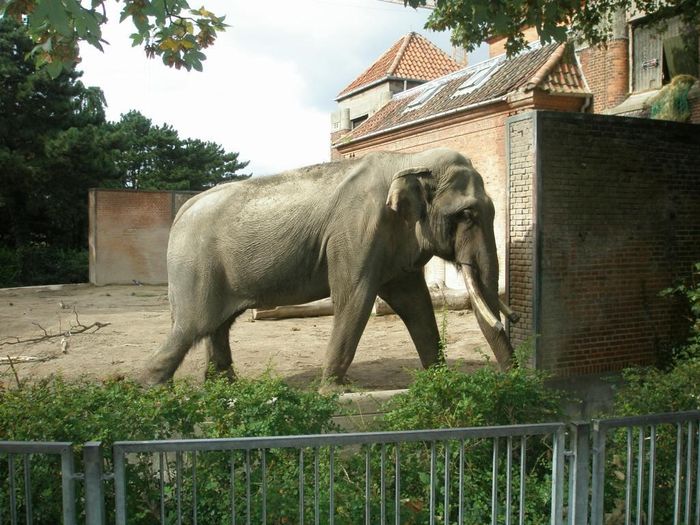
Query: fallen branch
{"points": [[10, 360], [77, 328]]}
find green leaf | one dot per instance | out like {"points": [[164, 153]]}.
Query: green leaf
{"points": [[58, 17], [92, 21], [54, 68], [136, 39], [74, 8], [39, 16]]}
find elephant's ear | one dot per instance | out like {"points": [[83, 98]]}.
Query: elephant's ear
{"points": [[407, 194]]}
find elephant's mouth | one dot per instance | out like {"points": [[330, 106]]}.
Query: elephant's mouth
{"points": [[489, 317]]}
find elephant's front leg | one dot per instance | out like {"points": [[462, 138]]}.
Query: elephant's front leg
{"points": [[409, 297], [352, 308]]}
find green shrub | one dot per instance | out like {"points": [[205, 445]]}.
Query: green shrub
{"points": [[652, 390], [41, 264], [441, 397], [10, 268], [78, 411], [688, 291]]}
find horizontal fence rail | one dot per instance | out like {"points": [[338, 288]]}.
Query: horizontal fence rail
{"points": [[632, 470]]}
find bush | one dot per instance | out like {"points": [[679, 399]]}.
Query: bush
{"points": [[42, 264], [688, 291], [78, 411], [651, 390], [444, 398], [10, 268], [441, 397]]}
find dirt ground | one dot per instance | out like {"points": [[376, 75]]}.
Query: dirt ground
{"points": [[138, 319]]}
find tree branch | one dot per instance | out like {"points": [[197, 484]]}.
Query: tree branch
{"points": [[77, 328]]}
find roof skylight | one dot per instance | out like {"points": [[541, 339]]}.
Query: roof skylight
{"points": [[482, 73], [428, 93]]}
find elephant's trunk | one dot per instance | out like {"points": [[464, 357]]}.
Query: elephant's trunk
{"points": [[489, 319]]}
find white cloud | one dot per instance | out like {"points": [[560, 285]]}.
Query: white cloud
{"points": [[269, 81]]}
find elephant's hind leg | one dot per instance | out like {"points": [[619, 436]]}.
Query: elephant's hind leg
{"points": [[217, 347], [167, 359]]}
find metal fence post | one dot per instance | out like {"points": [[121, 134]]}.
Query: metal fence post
{"points": [[94, 487], [579, 475], [68, 485], [558, 477], [598, 481]]}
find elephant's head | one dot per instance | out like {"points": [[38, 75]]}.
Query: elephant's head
{"points": [[446, 200]]}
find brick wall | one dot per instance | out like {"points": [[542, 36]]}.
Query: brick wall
{"points": [[521, 253], [616, 221], [607, 73], [129, 231]]}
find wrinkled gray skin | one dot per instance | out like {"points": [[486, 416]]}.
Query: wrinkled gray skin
{"points": [[352, 230]]}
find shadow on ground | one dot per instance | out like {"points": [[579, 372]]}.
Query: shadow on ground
{"points": [[366, 375]]}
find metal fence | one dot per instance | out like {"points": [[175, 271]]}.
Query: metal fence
{"points": [[22, 469], [655, 461], [641, 470]]}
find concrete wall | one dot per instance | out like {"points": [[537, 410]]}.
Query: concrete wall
{"points": [[604, 215], [128, 236]]}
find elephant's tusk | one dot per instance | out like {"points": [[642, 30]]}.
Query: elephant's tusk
{"points": [[506, 310], [479, 304]]}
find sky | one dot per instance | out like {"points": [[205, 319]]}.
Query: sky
{"points": [[270, 80]]}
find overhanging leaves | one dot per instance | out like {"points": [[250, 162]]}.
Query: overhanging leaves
{"points": [[169, 29]]}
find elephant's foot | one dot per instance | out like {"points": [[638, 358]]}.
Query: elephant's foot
{"points": [[332, 385], [213, 374], [151, 378]]}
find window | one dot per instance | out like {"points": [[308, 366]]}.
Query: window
{"points": [[680, 56], [662, 51], [357, 121]]}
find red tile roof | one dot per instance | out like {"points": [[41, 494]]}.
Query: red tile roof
{"points": [[413, 57], [552, 68]]}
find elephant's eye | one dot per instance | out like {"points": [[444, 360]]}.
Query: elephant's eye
{"points": [[469, 216]]}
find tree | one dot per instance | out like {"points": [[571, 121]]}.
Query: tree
{"points": [[474, 21], [51, 148], [165, 28], [55, 145], [154, 157]]}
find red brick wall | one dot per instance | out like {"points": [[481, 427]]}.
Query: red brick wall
{"points": [[607, 73], [129, 234], [616, 221]]}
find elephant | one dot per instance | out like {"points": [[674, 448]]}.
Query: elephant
{"points": [[353, 230]]}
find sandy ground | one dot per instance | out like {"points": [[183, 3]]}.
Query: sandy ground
{"points": [[138, 321]]}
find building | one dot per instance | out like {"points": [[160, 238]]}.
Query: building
{"points": [[467, 111], [595, 213], [411, 61]]}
